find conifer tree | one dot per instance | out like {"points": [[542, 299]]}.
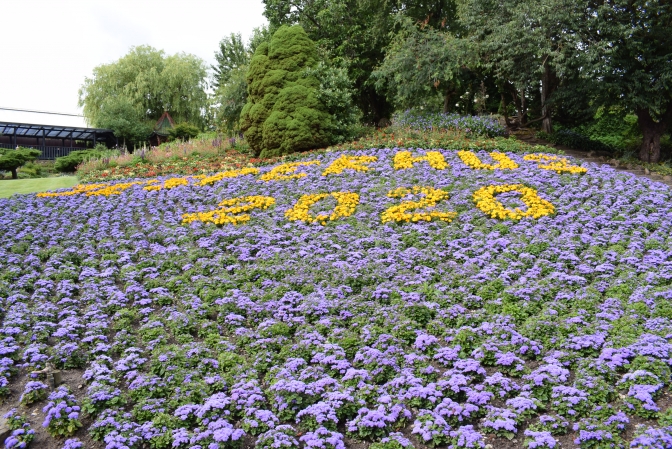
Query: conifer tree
{"points": [[283, 114]]}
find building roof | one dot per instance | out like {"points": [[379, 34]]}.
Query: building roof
{"points": [[53, 132], [163, 124]]}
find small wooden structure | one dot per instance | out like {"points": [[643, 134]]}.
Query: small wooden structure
{"points": [[163, 125]]}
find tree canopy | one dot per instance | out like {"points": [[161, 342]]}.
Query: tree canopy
{"points": [[358, 33], [232, 54], [421, 64], [150, 83], [233, 59], [11, 160], [631, 54], [546, 62]]}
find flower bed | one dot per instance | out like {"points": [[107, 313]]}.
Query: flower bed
{"points": [[477, 125], [369, 296]]}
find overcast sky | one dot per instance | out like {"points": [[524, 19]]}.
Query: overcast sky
{"points": [[50, 46]]}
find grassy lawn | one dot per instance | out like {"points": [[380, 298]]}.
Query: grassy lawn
{"points": [[9, 187]]}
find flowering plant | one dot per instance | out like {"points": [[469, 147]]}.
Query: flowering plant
{"points": [[62, 413], [34, 391]]}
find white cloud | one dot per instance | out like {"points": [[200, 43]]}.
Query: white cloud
{"points": [[50, 46]]}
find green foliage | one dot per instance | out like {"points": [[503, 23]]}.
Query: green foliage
{"points": [[232, 55], [283, 114], [357, 32], [522, 43], [69, 163], [422, 66], [150, 83], [232, 97], [614, 127], [183, 131], [630, 56], [32, 170], [575, 140], [336, 94], [233, 60], [129, 125], [11, 160]]}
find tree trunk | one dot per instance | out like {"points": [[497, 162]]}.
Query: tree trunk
{"points": [[546, 90], [15, 175], [505, 110], [652, 131], [446, 101], [523, 108]]}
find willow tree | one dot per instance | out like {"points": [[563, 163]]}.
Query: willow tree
{"points": [[151, 83]]}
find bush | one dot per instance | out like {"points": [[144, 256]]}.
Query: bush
{"points": [[69, 163], [575, 140], [335, 94], [11, 160], [31, 170], [183, 131], [613, 127], [283, 114]]}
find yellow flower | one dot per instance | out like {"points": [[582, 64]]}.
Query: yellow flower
{"points": [[401, 213], [346, 204], [503, 161], [78, 189], [114, 189], [232, 210], [206, 180], [167, 184], [536, 207], [344, 162], [554, 163], [404, 160], [286, 171]]}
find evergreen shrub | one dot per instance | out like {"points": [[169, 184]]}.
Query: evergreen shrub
{"points": [[283, 114]]}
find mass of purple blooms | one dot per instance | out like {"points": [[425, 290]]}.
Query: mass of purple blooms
{"points": [[283, 334], [477, 125], [61, 413], [21, 434]]}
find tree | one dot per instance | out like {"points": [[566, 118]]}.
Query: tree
{"points": [[336, 94], [631, 50], [283, 114], [122, 117], [527, 45], [421, 63], [231, 98], [183, 131], [232, 55], [357, 32], [151, 83], [11, 160], [233, 58]]}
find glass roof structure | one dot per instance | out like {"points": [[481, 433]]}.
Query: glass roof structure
{"points": [[54, 132]]}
